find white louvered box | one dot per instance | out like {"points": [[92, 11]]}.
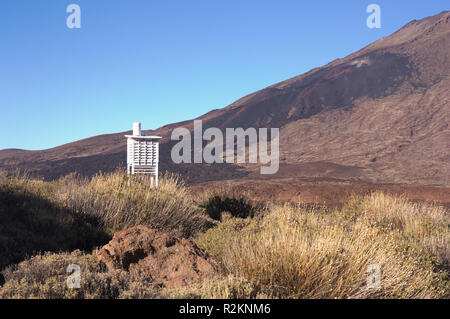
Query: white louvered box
{"points": [[143, 153]]}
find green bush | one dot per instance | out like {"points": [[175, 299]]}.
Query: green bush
{"points": [[240, 207]]}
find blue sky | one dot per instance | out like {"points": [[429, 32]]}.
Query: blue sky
{"points": [[161, 61]]}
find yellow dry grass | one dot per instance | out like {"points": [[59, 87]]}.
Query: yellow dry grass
{"points": [[294, 252], [284, 251]]}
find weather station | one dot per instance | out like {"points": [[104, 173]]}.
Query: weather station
{"points": [[143, 154]]}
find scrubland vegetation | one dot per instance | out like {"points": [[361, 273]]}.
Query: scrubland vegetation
{"points": [[271, 251]]}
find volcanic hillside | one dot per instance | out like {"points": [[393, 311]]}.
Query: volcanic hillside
{"points": [[379, 115]]}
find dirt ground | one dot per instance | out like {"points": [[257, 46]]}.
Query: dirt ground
{"points": [[327, 193]]}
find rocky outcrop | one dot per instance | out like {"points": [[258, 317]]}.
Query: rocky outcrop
{"points": [[157, 256]]}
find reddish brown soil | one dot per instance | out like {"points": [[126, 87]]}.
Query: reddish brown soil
{"points": [[158, 257], [322, 192]]}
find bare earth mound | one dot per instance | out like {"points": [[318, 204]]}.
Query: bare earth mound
{"points": [[157, 256]]}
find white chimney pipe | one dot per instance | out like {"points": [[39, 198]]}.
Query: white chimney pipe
{"points": [[137, 129]]}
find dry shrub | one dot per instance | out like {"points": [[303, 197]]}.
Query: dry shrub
{"points": [[237, 207], [228, 287], [285, 251], [31, 223], [121, 201], [236, 204], [81, 213], [118, 201], [293, 252], [45, 277]]}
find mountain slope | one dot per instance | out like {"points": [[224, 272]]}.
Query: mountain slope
{"points": [[380, 114]]}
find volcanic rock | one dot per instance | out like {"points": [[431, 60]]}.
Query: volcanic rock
{"points": [[157, 256]]}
